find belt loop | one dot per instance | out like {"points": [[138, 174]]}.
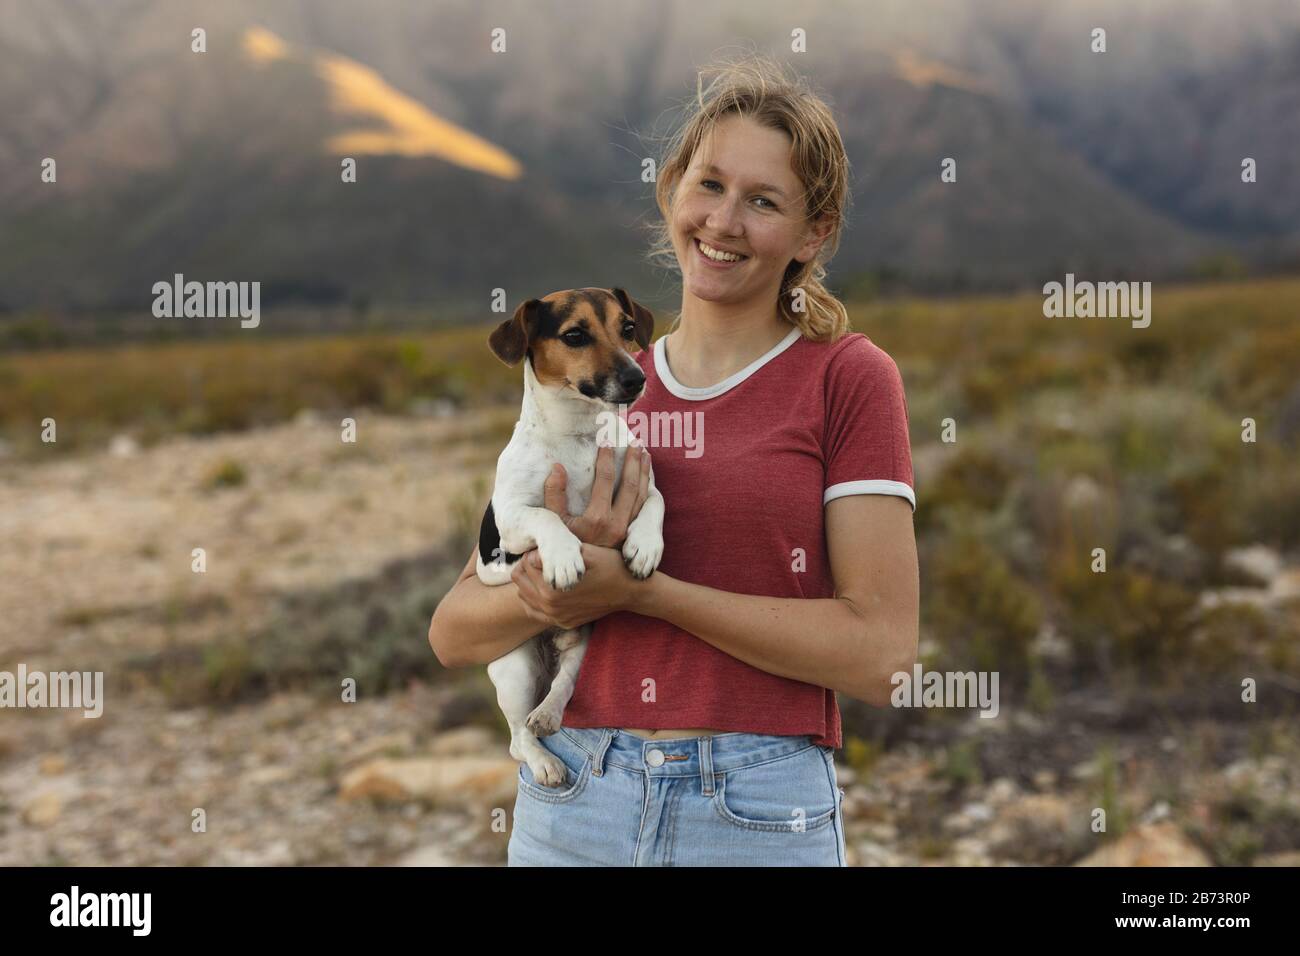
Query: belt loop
{"points": [[598, 758], [706, 765]]}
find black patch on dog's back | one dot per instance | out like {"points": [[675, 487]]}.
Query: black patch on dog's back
{"points": [[489, 540]]}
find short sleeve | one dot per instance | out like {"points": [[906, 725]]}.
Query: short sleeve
{"points": [[866, 443]]}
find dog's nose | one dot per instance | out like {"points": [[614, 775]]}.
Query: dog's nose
{"points": [[631, 378]]}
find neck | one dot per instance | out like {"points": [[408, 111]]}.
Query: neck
{"points": [[714, 339], [556, 412]]}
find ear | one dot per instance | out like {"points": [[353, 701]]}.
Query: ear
{"points": [[818, 232], [509, 341], [643, 317]]}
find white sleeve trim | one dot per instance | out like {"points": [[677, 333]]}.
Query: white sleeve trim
{"points": [[876, 486]]}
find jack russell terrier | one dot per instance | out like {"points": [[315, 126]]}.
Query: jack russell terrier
{"points": [[578, 371]]}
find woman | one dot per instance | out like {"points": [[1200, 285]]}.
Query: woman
{"points": [[703, 727]]}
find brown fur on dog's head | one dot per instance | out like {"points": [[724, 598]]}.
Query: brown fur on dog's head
{"points": [[578, 338]]}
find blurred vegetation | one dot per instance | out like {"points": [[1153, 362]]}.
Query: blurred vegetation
{"points": [[201, 388], [1082, 434], [369, 630], [1072, 435]]}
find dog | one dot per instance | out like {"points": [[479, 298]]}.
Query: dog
{"points": [[577, 371]]}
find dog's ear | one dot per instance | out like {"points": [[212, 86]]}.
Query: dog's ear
{"points": [[641, 316], [509, 340]]}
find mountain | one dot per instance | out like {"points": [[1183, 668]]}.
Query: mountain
{"points": [[521, 169]]}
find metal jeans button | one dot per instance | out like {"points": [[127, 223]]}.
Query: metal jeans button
{"points": [[655, 758]]}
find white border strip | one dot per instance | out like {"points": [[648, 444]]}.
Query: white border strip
{"points": [[876, 486]]}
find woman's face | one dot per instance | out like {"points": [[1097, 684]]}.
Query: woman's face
{"points": [[742, 202]]}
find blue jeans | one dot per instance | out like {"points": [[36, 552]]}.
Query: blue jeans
{"points": [[728, 800]]}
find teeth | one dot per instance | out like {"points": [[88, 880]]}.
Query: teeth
{"points": [[717, 254]]}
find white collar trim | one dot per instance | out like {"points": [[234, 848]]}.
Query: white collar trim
{"points": [[728, 383]]}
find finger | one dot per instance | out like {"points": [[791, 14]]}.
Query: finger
{"points": [[643, 488], [553, 491], [603, 485], [625, 500], [535, 574], [527, 590]]}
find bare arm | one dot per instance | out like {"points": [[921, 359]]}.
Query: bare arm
{"points": [[853, 642], [474, 623]]}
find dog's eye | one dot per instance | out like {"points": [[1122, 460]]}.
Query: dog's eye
{"points": [[629, 329], [574, 337]]}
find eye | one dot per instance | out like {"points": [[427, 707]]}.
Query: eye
{"points": [[574, 337], [710, 183], [770, 204], [629, 329]]}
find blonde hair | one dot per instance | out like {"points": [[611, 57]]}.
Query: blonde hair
{"points": [[758, 88]]}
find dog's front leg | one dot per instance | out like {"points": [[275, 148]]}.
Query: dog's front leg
{"points": [[570, 646], [644, 546], [523, 528]]}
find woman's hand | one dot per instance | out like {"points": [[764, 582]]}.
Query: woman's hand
{"points": [[606, 586], [608, 514]]}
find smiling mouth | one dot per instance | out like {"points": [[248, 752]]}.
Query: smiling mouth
{"points": [[717, 256]]}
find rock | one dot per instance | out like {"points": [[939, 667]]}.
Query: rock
{"points": [[1082, 493], [1002, 790], [1087, 770], [44, 810], [471, 740], [384, 745], [264, 776], [1050, 645], [428, 856], [970, 851], [866, 853], [1258, 563], [881, 832], [1160, 811], [1286, 858], [1152, 844], [968, 817], [123, 446], [53, 764], [1285, 586], [854, 805], [433, 408], [472, 781], [1035, 828]]}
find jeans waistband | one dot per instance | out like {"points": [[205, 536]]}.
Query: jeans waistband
{"points": [[682, 756]]}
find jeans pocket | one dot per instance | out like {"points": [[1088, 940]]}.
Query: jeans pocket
{"points": [[790, 795], [577, 771]]}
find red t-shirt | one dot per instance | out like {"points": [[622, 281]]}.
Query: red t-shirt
{"points": [[746, 467]]}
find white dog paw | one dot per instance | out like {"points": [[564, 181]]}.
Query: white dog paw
{"points": [[544, 721], [547, 769], [642, 550], [562, 564]]}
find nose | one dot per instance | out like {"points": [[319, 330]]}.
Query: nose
{"points": [[724, 218], [631, 378]]}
